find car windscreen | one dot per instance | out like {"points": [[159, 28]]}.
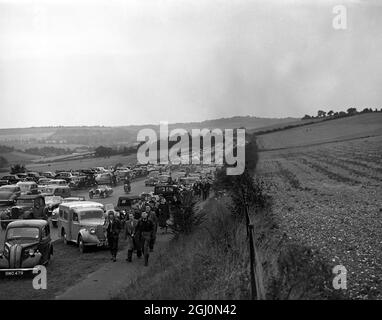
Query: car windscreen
{"points": [[91, 214], [23, 232]]}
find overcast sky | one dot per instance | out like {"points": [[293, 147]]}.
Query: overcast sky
{"points": [[114, 62]]}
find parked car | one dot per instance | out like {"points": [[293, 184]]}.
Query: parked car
{"points": [[62, 191], [167, 191], [54, 215], [27, 244], [126, 203], [104, 178], [102, 191], [51, 203], [48, 174], [3, 182], [9, 194], [67, 176], [22, 176], [57, 182], [151, 181], [11, 179], [33, 176], [43, 181], [83, 223], [26, 207], [28, 187]]}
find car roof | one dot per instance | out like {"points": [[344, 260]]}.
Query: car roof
{"points": [[28, 223], [26, 182], [129, 198], [81, 204], [79, 210], [30, 196]]}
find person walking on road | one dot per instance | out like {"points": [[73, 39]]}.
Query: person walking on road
{"points": [[154, 218], [113, 228], [130, 230], [145, 229]]}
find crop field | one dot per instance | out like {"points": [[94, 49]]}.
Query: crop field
{"points": [[329, 197]]}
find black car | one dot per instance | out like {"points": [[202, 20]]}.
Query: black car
{"points": [[126, 203], [26, 207], [167, 191], [27, 244], [11, 179], [9, 194]]}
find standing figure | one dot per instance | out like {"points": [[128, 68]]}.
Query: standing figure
{"points": [[144, 230], [163, 214], [113, 228], [130, 230], [153, 217]]}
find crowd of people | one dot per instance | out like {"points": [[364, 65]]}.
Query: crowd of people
{"points": [[202, 189], [139, 226]]}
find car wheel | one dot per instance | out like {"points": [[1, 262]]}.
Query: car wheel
{"points": [[91, 195], [81, 245], [64, 237]]}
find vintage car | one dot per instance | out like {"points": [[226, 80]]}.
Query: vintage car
{"points": [[51, 203], [43, 181], [82, 222], [78, 182], [54, 215], [67, 176], [57, 182], [11, 179], [9, 194], [27, 244], [48, 174], [62, 191], [33, 176], [26, 207], [167, 191], [151, 181], [3, 182], [104, 178], [127, 203], [101, 191], [28, 187]]}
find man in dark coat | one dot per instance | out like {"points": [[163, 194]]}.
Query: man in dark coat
{"points": [[144, 231], [130, 231], [112, 229]]}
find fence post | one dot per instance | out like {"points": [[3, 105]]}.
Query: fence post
{"points": [[252, 261]]}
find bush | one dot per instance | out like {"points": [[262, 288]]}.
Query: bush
{"points": [[18, 168], [186, 218]]}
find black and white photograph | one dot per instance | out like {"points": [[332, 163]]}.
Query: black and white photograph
{"points": [[190, 151]]}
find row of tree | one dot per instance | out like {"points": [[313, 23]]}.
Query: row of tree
{"points": [[339, 114]]}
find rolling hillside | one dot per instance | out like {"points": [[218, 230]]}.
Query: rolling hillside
{"points": [[363, 125]]}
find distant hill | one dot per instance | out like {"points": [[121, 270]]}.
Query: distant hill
{"points": [[358, 126], [124, 135]]}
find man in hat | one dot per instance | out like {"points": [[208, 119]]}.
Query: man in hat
{"points": [[112, 229]]}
